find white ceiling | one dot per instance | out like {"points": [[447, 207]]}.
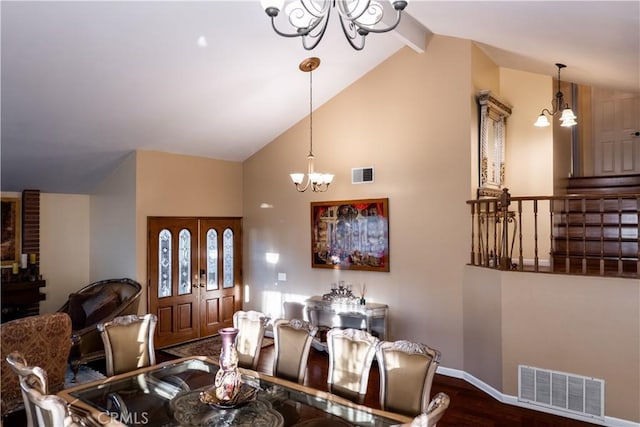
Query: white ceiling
{"points": [[85, 83]]}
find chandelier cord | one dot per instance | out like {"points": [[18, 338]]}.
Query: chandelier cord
{"points": [[311, 112]]}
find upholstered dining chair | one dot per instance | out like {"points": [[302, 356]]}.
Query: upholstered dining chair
{"points": [[128, 342], [48, 410], [434, 413], [293, 310], [250, 326], [351, 353], [18, 364], [406, 374], [292, 339]]}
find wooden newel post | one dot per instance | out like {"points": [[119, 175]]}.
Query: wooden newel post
{"points": [[505, 201]]}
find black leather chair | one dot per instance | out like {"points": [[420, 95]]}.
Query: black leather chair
{"points": [[96, 303]]}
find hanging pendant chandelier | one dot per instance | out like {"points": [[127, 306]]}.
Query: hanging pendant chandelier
{"points": [[317, 181], [308, 19], [567, 118]]}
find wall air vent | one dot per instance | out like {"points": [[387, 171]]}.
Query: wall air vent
{"points": [[558, 390], [362, 175]]}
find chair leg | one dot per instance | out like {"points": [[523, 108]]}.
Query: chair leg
{"points": [[75, 367]]}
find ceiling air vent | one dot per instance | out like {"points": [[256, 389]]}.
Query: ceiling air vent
{"points": [[362, 175]]}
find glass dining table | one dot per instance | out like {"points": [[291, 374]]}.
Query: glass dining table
{"points": [[168, 394]]}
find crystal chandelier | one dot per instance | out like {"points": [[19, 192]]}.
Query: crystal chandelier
{"points": [[308, 18], [567, 119], [317, 181]]}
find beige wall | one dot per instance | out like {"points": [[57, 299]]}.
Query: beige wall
{"points": [[177, 185], [113, 225], [483, 325], [64, 246], [409, 118], [587, 326]]}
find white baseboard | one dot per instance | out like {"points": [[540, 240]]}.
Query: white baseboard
{"points": [[513, 400]]}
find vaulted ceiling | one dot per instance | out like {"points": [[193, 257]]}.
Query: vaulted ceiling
{"points": [[85, 83]]}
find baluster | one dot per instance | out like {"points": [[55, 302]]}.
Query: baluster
{"points": [[584, 235], [567, 262], [505, 256], [638, 235], [552, 243], [602, 236], [494, 212], [535, 235], [520, 258], [473, 206], [620, 235]]}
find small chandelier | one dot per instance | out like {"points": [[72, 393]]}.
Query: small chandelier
{"points": [[567, 119], [308, 18], [319, 182]]}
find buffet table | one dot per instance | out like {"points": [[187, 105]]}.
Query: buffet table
{"points": [[168, 394], [371, 317]]}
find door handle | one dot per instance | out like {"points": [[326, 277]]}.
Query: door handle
{"points": [[195, 282]]}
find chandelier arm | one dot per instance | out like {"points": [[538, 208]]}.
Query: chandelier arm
{"points": [[317, 37], [344, 10], [381, 30], [304, 31], [308, 6], [303, 189], [283, 34], [351, 36]]}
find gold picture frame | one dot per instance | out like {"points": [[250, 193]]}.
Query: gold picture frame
{"points": [[11, 230], [350, 235], [492, 143]]}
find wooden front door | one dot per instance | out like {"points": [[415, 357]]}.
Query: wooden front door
{"points": [[194, 276]]}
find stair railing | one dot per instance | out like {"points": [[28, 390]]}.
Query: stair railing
{"points": [[572, 234]]}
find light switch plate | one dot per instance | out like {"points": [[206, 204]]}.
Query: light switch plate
{"points": [[282, 277]]}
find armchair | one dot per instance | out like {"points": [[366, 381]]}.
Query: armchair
{"points": [[98, 302]]}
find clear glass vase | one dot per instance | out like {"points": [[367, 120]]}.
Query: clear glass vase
{"points": [[227, 383]]}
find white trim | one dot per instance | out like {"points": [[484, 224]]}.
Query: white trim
{"points": [[513, 400]]}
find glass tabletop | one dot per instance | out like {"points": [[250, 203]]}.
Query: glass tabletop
{"points": [[169, 395]]}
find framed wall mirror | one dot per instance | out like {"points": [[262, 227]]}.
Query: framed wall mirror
{"points": [[492, 142]]}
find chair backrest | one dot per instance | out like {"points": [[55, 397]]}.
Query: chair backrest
{"points": [[406, 374], [351, 352], [44, 341], [434, 413], [250, 326], [292, 339], [49, 410], [128, 342], [19, 365], [293, 310]]}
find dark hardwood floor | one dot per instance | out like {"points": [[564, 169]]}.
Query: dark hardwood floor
{"points": [[469, 406]]}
